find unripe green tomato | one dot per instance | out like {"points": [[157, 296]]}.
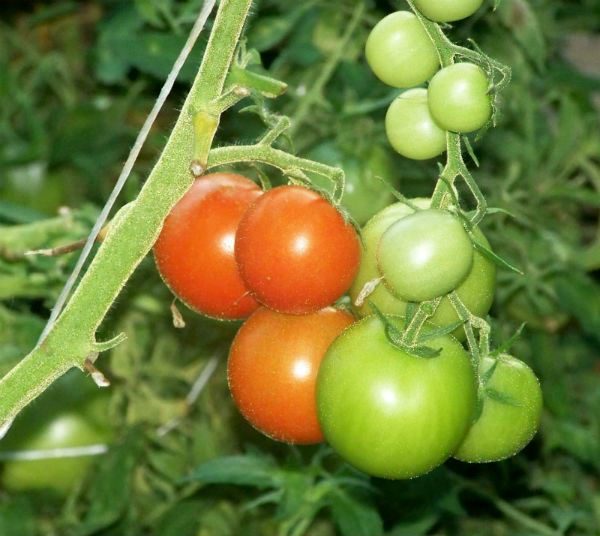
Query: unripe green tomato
{"points": [[504, 428], [410, 128], [447, 10], [425, 255], [459, 98], [389, 413], [60, 419], [476, 291], [364, 193], [399, 51]]}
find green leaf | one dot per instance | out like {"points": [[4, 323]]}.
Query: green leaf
{"points": [[487, 375], [579, 295], [440, 332], [354, 517], [505, 346], [244, 470], [17, 517], [424, 351], [495, 258], [500, 397]]}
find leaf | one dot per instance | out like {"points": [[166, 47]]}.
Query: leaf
{"points": [[487, 375], [495, 258], [353, 517], [470, 150], [440, 332], [424, 351], [500, 397], [505, 346], [243, 470], [17, 517], [579, 295]]}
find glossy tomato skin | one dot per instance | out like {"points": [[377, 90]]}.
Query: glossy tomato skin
{"points": [[195, 250], [272, 370], [388, 413], [459, 98], [447, 10], [424, 255], [411, 130], [503, 429], [295, 251], [399, 51], [364, 193], [476, 291]]}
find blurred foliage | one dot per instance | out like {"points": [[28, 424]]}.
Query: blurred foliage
{"points": [[76, 80]]}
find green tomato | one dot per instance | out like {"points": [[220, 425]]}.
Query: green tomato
{"points": [[389, 413], [447, 10], [399, 51], [410, 128], [510, 416], [425, 255], [37, 445], [476, 291], [459, 98], [364, 193]]}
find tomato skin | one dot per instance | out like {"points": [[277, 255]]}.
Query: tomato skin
{"points": [[476, 291], [195, 250], [424, 255], [388, 413], [364, 193], [447, 10], [411, 130], [272, 370], [502, 430], [399, 51], [458, 98], [295, 252]]}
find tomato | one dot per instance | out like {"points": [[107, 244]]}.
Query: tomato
{"points": [[399, 51], [424, 255], [60, 419], [508, 420], [447, 10], [459, 98], [389, 413], [364, 193], [476, 291], [272, 370], [411, 129], [295, 251], [195, 250]]}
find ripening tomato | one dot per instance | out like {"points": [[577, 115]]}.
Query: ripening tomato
{"points": [[510, 416], [424, 255], [387, 412], [273, 366], [295, 251], [400, 52], [476, 291], [195, 250]]}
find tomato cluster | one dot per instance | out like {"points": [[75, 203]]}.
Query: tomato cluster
{"points": [[457, 99]]}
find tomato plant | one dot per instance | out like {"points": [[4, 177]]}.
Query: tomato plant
{"points": [[387, 412], [272, 370], [195, 250], [447, 10], [476, 291], [510, 413], [69, 416], [410, 128], [399, 51], [424, 255], [364, 193], [295, 251], [459, 98]]}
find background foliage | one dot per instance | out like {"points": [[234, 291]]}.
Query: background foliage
{"points": [[76, 80]]}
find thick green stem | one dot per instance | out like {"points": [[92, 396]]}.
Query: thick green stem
{"points": [[132, 235]]}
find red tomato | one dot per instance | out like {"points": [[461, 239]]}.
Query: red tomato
{"points": [[195, 250], [295, 251], [272, 370]]}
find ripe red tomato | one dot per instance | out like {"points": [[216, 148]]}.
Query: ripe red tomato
{"points": [[195, 250], [272, 370], [295, 251]]}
